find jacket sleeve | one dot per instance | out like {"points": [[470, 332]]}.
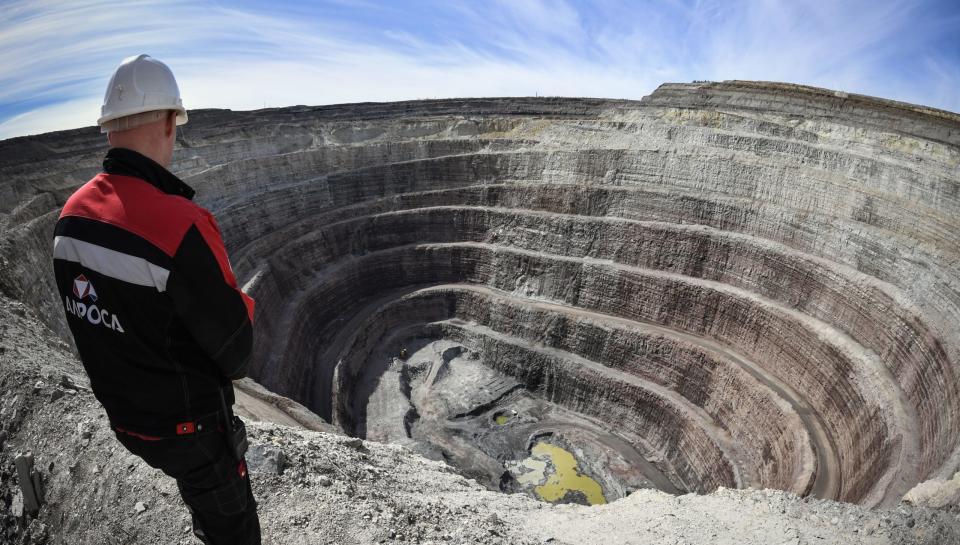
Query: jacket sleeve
{"points": [[207, 300]]}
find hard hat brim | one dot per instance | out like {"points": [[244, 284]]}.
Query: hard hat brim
{"points": [[181, 113]]}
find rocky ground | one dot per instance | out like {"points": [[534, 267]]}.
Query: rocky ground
{"points": [[316, 487]]}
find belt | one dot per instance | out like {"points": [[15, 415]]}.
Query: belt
{"points": [[207, 422]]}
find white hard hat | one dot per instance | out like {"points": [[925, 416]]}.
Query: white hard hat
{"points": [[140, 84]]}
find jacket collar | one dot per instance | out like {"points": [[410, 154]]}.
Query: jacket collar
{"points": [[126, 162]]}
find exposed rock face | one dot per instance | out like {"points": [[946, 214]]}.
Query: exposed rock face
{"points": [[754, 285]]}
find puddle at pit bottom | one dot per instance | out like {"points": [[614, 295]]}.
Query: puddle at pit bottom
{"points": [[553, 473]]}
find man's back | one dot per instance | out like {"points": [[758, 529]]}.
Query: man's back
{"points": [[149, 295], [154, 308]]}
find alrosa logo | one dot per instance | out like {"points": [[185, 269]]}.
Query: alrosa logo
{"points": [[83, 289]]}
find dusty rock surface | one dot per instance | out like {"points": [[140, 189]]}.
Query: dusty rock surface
{"points": [[341, 490]]}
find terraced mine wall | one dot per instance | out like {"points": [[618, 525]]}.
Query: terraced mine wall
{"points": [[754, 284]]}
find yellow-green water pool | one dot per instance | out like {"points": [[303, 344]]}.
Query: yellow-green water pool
{"points": [[565, 478]]}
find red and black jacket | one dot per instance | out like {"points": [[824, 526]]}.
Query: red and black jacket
{"points": [[150, 296]]}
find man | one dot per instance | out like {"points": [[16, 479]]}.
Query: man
{"points": [[159, 322]]}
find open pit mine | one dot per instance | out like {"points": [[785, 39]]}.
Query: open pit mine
{"points": [[735, 285]]}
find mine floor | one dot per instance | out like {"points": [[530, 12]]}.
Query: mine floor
{"points": [[442, 401]]}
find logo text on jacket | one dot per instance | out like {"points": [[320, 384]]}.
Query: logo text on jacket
{"points": [[83, 289]]}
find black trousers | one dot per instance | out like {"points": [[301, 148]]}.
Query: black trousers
{"points": [[214, 486]]}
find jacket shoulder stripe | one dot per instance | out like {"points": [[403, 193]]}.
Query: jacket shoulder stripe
{"points": [[112, 263], [113, 237]]}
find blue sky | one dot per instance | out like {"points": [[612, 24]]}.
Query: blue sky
{"points": [[57, 56]]}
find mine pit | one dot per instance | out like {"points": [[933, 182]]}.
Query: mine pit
{"points": [[736, 285]]}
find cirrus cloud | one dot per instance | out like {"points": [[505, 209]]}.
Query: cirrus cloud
{"points": [[56, 57]]}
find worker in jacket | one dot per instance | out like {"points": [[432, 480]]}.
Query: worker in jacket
{"points": [[158, 320]]}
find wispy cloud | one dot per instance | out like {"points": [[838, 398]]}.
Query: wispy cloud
{"points": [[56, 57]]}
